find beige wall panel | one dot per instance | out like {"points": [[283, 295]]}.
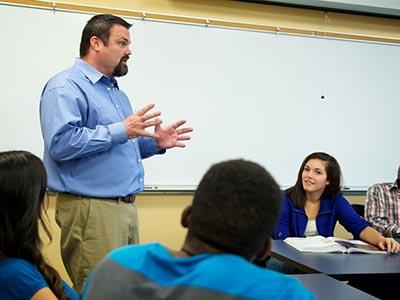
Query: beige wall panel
{"points": [[260, 14], [52, 250], [159, 221], [241, 12], [364, 25]]}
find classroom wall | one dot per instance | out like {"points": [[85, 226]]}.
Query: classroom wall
{"points": [[159, 214]]}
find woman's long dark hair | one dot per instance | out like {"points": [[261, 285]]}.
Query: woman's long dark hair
{"points": [[334, 176], [23, 183]]}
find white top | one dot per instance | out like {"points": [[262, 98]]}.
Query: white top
{"points": [[311, 228]]}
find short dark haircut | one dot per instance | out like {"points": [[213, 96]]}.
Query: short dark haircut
{"points": [[334, 176], [235, 207], [99, 26], [23, 183]]}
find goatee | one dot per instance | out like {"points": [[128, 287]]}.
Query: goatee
{"points": [[122, 68]]}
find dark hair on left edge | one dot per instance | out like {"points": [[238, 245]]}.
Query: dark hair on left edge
{"points": [[235, 207], [23, 184], [334, 176]]}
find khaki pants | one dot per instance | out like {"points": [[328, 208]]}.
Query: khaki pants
{"points": [[90, 228]]}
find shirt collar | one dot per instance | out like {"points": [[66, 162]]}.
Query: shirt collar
{"points": [[92, 73], [394, 185]]}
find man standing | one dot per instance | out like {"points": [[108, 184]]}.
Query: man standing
{"points": [[94, 146], [383, 207]]}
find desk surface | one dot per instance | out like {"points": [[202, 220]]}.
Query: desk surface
{"points": [[339, 265], [327, 288]]}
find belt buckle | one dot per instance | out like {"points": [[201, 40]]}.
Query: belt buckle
{"points": [[130, 199]]}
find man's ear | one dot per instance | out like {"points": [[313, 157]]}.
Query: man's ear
{"points": [[185, 217], [96, 43], [264, 252]]}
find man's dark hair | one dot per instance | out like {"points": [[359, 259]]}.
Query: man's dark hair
{"points": [[235, 207], [99, 26]]}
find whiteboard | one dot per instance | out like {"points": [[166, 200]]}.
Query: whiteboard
{"points": [[247, 94]]}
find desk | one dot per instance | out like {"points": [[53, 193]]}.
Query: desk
{"points": [[339, 265], [327, 288]]}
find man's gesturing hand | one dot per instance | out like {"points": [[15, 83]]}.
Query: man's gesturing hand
{"points": [[172, 135], [136, 123]]}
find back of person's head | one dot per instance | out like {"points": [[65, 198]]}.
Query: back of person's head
{"points": [[235, 207], [23, 183], [334, 176], [22, 190], [99, 26]]}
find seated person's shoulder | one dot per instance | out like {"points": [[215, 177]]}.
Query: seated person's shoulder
{"points": [[382, 186], [19, 279], [126, 252], [255, 282], [283, 286]]}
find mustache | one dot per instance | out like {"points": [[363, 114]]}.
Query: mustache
{"points": [[125, 58]]}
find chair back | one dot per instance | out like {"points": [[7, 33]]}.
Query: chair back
{"points": [[359, 208]]}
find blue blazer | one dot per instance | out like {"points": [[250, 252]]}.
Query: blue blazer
{"points": [[293, 220]]}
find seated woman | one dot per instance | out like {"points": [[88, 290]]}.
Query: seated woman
{"points": [[315, 203], [24, 274]]}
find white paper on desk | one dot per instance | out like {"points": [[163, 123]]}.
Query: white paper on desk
{"points": [[331, 244]]}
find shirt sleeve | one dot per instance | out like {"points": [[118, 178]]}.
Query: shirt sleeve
{"points": [[21, 281], [349, 218], [62, 117], [148, 147], [377, 211], [282, 227], [70, 291]]}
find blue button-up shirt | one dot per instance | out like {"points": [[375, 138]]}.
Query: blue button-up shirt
{"points": [[87, 151]]}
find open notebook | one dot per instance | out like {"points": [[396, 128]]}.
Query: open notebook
{"points": [[331, 244]]}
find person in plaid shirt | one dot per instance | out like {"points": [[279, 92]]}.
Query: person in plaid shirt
{"points": [[382, 207]]}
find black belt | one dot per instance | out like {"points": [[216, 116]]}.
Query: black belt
{"points": [[126, 199]]}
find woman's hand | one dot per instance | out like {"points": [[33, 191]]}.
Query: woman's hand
{"points": [[389, 245]]}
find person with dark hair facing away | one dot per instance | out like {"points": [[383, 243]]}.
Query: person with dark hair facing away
{"points": [[382, 207], [315, 203], [24, 273], [229, 223], [94, 145]]}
